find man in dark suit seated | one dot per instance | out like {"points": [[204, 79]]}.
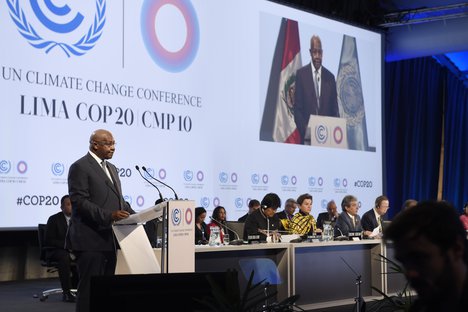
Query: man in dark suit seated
{"points": [[263, 221], [287, 213], [330, 215], [254, 204], [373, 219], [55, 233], [349, 220]]}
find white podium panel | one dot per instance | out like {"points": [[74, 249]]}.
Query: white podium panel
{"points": [[326, 132], [180, 236], [137, 254]]}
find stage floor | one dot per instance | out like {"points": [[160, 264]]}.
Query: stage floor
{"points": [[24, 296]]}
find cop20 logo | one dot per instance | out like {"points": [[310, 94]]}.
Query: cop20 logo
{"points": [[184, 34], [38, 25]]}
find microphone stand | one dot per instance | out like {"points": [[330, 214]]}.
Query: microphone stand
{"points": [[358, 299], [160, 195], [237, 241], [164, 220], [163, 238], [341, 237], [152, 177]]}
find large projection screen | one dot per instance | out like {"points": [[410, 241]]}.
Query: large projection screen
{"points": [[199, 92]]}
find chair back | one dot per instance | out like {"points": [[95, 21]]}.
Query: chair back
{"points": [[265, 270], [40, 238], [45, 261], [48, 263], [237, 226]]}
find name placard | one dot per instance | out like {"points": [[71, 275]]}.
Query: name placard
{"points": [[314, 238], [355, 235]]}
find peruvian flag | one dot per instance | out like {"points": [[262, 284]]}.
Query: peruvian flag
{"points": [[278, 116]]}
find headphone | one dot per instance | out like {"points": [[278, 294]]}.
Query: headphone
{"points": [[264, 207]]}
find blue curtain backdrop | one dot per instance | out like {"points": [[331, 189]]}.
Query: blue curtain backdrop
{"points": [[455, 188], [413, 129]]}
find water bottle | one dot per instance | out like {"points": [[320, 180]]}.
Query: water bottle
{"points": [[327, 234], [215, 239], [226, 239]]}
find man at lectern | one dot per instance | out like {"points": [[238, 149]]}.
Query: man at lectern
{"points": [[315, 89], [97, 201]]}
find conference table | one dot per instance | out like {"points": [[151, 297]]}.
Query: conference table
{"points": [[321, 273]]}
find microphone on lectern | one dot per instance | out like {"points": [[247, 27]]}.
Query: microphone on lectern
{"points": [[175, 194], [236, 241], [160, 200]]}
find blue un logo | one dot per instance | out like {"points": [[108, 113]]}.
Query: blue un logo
{"points": [[73, 30], [58, 169]]}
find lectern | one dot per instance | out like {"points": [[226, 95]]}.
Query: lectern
{"points": [[176, 255], [326, 132]]}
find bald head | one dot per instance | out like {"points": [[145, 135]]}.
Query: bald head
{"points": [[101, 143], [316, 51], [99, 135]]}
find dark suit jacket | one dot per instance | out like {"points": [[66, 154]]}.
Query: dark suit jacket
{"points": [[282, 215], [345, 224], [94, 197], [243, 218], [305, 100], [56, 230], [256, 220], [324, 216], [369, 221]]}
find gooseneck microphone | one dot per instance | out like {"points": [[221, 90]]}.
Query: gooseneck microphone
{"points": [[175, 194], [341, 237], [236, 241], [160, 200]]}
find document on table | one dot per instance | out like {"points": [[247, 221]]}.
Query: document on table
{"points": [[376, 233]]}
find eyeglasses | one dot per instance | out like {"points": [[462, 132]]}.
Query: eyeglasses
{"points": [[104, 143]]}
